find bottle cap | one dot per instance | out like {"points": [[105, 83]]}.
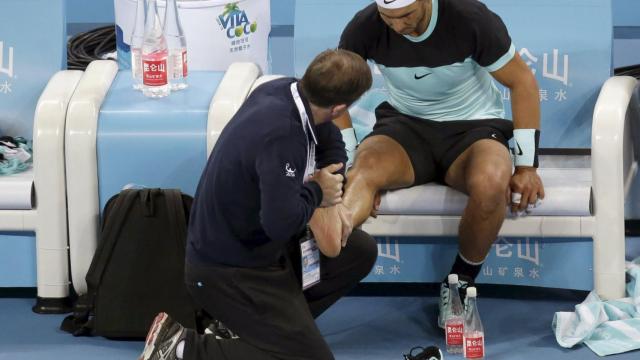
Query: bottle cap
{"points": [[472, 292], [453, 278]]}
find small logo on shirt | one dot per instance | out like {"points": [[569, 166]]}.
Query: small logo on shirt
{"points": [[494, 135], [421, 76], [289, 171]]}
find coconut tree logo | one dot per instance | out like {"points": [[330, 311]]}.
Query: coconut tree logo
{"points": [[230, 8], [235, 21]]}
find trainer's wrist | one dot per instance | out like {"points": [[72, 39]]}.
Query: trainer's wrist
{"points": [[525, 147]]}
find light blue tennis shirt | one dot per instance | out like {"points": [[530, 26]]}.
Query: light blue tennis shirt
{"points": [[443, 74]]}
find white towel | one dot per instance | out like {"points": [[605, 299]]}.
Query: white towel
{"points": [[606, 327]]}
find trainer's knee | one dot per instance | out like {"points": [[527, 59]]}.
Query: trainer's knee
{"points": [[364, 251]]}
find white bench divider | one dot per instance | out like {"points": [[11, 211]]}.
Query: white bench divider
{"points": [[82, 168], [49, 216]]}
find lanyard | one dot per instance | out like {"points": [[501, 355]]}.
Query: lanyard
{"points": [[306, 126]]}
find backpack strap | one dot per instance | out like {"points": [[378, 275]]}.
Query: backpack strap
{"points": [[177, 217], [108, 237]]}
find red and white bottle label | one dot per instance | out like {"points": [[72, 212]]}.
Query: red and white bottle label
{"points": [[154, 72], [474, 347], [184, 63], [454, 334]]}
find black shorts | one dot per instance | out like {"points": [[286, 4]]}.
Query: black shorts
{"points": [[433, 146]]}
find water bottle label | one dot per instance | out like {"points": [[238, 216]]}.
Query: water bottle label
{"points": [[474, 347], [184, 63], [154, 72], [454, 334]]}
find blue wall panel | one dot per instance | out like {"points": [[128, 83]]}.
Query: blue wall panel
{"points": [[282, 12], [90, 11], [17, 260], [626, 13]]}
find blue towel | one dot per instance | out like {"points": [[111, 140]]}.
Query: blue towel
{"points": [[606, 327], [12, 163]]}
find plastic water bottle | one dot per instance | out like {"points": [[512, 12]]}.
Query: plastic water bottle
{"points": [[454, 321], [137, 38], [177, 44], [473, 330], [154, 56]]}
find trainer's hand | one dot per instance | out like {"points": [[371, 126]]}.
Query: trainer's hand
{"points": [[330, 183], [347, 223], [526, 182]]}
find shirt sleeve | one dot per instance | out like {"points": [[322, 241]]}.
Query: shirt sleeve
{"points": [[286, 204], [330, 148], [352, 39], [493, 45]]}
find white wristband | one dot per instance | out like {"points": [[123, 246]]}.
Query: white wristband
{"points": [[350, 144], [525, 147]]}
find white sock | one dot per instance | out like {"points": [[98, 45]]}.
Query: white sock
{"points": [[350, 143], [180, 350]]}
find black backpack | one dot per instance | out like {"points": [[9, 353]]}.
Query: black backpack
{"points": [[138, 268]]}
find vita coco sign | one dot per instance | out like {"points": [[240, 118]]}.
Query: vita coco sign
{"points": [[218, 32], [236, 22], [6, 68]]}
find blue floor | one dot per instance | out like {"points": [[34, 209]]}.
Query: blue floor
{"points": [[517, 325]]}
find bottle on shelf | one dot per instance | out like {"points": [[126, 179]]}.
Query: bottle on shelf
{"points": [[177, 45], [137, 37], [154, 55]]}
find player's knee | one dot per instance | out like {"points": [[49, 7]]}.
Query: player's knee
{"points": [[366, 160], [488, 190], [366, 169]]}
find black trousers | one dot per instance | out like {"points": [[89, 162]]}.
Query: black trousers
{"points": [[267, 308]]}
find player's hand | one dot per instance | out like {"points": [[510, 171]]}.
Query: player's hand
{"points": [[330, 183], [527, 190]]}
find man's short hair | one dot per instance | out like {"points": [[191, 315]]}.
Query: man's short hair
{"points": [[336, 77]]}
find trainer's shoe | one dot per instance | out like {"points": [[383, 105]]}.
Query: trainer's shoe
{"points": [[220, 331], [463, 283], [163, 338]]}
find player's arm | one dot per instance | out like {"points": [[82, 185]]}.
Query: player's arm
{"points": [[525, 106]]}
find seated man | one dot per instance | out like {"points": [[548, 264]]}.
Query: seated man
{"points": [[250, 262], [444, 120]]}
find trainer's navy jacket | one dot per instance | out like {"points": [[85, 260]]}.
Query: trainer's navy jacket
{"points": [[251, 200]]}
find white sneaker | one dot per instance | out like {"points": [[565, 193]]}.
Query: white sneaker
{"points": [[163, 338]]}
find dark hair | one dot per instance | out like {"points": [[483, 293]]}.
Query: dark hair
{"points": [[336, 77]]}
